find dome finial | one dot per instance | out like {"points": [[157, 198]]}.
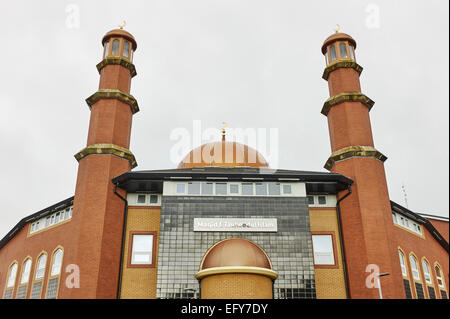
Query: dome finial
{"points": [[225, 125], [337, 29], [122, 25]]}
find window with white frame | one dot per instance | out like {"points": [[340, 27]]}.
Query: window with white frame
{"points": [[221, 188], [53, 219], [194, 188], [12, 275], [426, 272], [406, 223], [142, 249], [323, 249], [40, 267], [26, 272], [234, 189], [402, 263], [56, 262], [414, 267]]}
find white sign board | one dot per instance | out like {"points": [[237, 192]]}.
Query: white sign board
{"points": [[236, 224]]}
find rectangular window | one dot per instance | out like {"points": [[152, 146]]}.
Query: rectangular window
{"points": [[287, 189], [221, 188], [247, 189], [207, 188], [322, 200], [52, 288], [407, 287], [332, 53], [115, 47], [141, 199], [311, 200], [181, 188], [106, 50], [194, 188], [261, 189], [352, 53], [142, 249], [153, 199], [67, 213], [323, 249], [343, 49], [419, 290], [394, 218], [126, 49], [274, 189], [234, 189]]}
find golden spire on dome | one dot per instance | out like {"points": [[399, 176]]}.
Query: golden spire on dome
{"points": [[122, 25], [225, 125], [337, 29]]}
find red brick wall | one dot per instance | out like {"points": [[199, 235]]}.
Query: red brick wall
{"points": [[21, 246], [426, 247]]}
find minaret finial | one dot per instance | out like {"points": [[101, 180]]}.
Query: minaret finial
{"points": [[338, 28], [225, 125], [122, 25]]}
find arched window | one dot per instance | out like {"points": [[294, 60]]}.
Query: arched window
{"points": [[41, 264], [56, 262], [439, 277], [40, 267], [402, 263], [12, 276], [26, 272], [115, 47], [426, 272], [414, 267], [54, 276]]}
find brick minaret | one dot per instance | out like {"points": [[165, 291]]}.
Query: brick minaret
{"points": [[98, 212], [366, 214]]}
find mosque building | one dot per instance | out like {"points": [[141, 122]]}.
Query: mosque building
{"points": [[226, 225]]}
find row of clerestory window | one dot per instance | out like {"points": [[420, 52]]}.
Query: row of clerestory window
{"points": [[338, 51], [118, 47]]}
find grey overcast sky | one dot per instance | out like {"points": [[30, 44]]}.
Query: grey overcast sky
{"points": [[253, 64]]}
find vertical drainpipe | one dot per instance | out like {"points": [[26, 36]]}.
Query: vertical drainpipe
{"points": [[344, 263], [122, 249]]}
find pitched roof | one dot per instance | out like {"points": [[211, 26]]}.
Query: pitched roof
{"points": [[31, 218]]}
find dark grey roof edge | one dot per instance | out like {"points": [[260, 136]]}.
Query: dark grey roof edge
{"points": [[437, 217], [49, 210], [232, 172], [425, 222]]}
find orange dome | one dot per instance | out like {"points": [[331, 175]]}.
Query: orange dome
{"points": [[223, 154], [122, 34], [336, 37], [235, 252]]}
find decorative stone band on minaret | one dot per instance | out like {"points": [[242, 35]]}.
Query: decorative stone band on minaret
{"points": [[353, 151], [107, 149], [114, 94], [341, 64], [346, 97], [365, 209], [117, 60]]}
